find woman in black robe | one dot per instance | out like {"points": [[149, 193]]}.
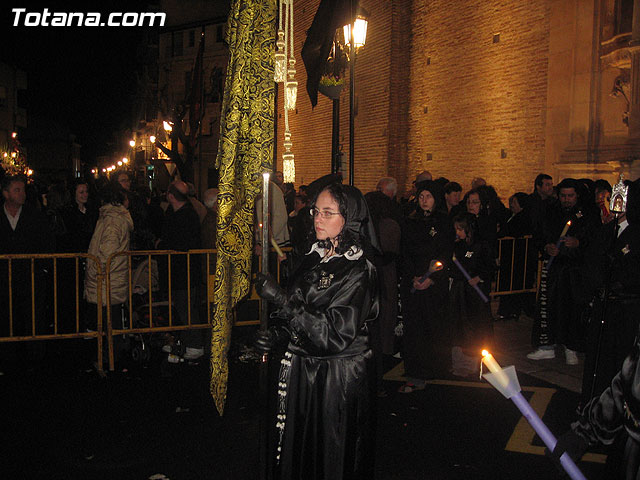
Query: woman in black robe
{"points": [[327, 379], [427, 237]]}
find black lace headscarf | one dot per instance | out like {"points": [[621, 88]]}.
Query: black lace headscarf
{"points": [[358, 231]]}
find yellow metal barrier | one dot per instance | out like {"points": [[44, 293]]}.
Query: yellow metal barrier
{"points": [[32, 285], [148, 261], [517, 257], [29, 282]]}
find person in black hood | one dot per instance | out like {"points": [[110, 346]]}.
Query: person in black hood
{"points": [[427, 237], [327, 378]]}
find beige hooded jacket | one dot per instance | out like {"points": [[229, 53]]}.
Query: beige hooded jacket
{"points": [[112, 234]]}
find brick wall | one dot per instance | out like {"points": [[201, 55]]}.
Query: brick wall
{"points": [[431, 81], [480, 97]]}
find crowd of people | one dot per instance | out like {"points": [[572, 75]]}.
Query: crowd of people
{"points": [[101, 217], [436, 255], [438, 252], [445, 312]]}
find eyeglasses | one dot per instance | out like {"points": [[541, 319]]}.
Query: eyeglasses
{"points": [[324, 214]]}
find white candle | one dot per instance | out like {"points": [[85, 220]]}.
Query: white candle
{"points": [[495, 368], [565, 229]]}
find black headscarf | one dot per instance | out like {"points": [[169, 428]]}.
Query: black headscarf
{"points": [[358, 229], [435, 189]]}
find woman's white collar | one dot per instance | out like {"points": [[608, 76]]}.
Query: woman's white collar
{"points": [[354, 253]]}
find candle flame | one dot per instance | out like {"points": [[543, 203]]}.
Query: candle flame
{"points": [[438, 264], [569, 222], [485, 353]]}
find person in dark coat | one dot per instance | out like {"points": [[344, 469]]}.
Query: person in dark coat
{"points": [[181, 231], [520, 273], [469, 316], [80, 216], [23, 230], [326, 384], [540, 200], [427, 237], [142, 236], [385, 213], [612, 266], [477, 204], [452, 193], [563, 296], [612, 419]]}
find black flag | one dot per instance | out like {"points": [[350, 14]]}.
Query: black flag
{"points": [[331, 15]]}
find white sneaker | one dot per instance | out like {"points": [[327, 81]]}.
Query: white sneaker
{"points": [[571, 357], [542, 354], [193, 353]]}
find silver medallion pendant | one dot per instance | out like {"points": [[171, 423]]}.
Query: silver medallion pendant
{"points": [[468, 255], [433, 232], [325, 280]]}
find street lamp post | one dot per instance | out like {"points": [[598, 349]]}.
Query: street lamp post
{"points": [[356, 34]]}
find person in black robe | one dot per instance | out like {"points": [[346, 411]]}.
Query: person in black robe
{"points": [[325, 418], [563, 295], [612, 418], [427, 237], [612, 265], [476, 202], [469, 316]]}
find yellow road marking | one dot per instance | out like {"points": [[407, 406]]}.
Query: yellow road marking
{"points": [[521, 440]]}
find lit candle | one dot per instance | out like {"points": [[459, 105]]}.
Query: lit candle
{"points": [[495, 368], [277, 248], [559, 242], [434, 267]]}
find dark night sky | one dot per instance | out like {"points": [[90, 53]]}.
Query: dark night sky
{"points": [[81, 78]]}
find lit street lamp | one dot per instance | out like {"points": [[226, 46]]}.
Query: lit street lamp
{"points": [[359, 31], [356, 34]]}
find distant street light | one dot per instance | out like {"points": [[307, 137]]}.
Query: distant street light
{"points": [[152, 139], [167, 126], [125, 160], [132, 143]]}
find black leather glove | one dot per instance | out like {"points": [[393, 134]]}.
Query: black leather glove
{"points": [[571, 443], [268, 288], [265, 341]]}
